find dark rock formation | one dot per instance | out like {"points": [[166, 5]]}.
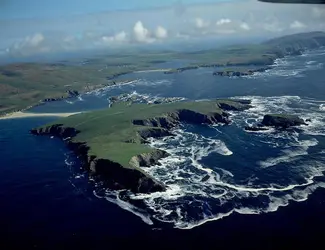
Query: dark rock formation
{"points": [[238, 105], [282, 121], [115, 175], [238, 73], [255, 128], [148, 159], [154, 132], [190, 116], [172, 120], [53, 99], [125, 178], [205, 178], [179, 70], [73, 93], [162, 122]]}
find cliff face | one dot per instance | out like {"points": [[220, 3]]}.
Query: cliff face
{"points": [[279, 121], [283, 121], [115, 175], [148, 159], [173, 119], [238, 105]]}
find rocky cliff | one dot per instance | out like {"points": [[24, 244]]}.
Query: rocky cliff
{"points": [[173, 119], [282, 121], [234, 105], [115, 175], [279, 121]]}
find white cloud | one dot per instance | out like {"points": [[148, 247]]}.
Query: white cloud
{"points": [[161, 32], [223, 21], [142, 34], [35, 40], [200, 23], [29, 45], [245, 26], [297, 25], [120, 37]]}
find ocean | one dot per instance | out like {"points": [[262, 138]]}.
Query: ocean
{"points": [[223, 183]]}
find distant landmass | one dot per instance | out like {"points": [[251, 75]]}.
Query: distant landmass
{"points": [[23, 85]]}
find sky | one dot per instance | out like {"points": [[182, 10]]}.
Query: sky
{"points": [[12, 9], [45, 26]]}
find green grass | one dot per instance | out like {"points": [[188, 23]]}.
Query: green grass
{"points": [[107, 131]]}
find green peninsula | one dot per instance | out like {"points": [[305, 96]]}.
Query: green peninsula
{"points": [[112, 142]]}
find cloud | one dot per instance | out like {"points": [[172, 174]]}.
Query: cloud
{"points": [[161, 32], [35, 40], [29, 45], [245, 26], [223, 21], [297, 25], [240, 19], [200, 23], [141, 34], [120, 37]]}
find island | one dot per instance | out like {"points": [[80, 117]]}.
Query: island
{"points": [[23, 85], [112, 142], [278, 121], [240, 71]]}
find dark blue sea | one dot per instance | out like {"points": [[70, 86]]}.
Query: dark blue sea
{"points": [[226, 187]]}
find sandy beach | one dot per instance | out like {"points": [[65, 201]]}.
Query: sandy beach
{"points": [[151, 70], [20, 114]]}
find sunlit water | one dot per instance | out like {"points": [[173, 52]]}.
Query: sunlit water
{"points": [[213, 172]]}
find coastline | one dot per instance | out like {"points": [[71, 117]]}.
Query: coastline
{"points": [[113, 81], [20, 114]]}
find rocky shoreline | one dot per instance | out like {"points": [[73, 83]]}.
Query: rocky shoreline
{"points": [[115, 175], [278, 121], [238, 73], [134, 178]]}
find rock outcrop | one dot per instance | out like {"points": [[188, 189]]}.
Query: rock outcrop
{"points": [[255, 128], [279, 121], [114, 175], [239, 73], [282, 121], [173, 119], [153, 132], [73, 93], [235, 105], [148, 159]]}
